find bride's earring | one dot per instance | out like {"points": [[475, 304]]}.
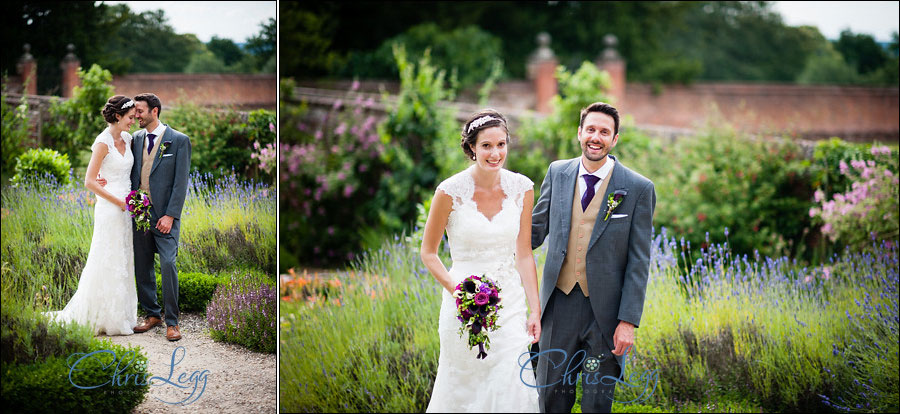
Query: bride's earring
{"points": [[473, 158]]}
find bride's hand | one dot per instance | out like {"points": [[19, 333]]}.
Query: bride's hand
{"points": [[533, 326], [123, 205]]}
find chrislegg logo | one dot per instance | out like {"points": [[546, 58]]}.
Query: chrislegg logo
{"points": [[585, 369], [119, 375]]}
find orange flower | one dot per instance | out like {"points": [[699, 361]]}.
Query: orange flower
{"points": [[335, 283]]}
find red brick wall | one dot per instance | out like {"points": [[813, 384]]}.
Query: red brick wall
{"points": [[241, 90], [856, 113]]}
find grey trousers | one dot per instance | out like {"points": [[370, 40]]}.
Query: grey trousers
{"points": [[572, 349], [145, 246]]}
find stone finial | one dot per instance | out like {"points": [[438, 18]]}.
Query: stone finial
{"points": [[71, 55], [541, 70], [26, 56], [543, 51], [610, 52]]}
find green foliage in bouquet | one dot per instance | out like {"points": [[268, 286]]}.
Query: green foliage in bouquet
{"points": [[36, 165], [76, 122]]}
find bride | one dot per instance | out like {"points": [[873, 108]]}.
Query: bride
{"points": [[486, 211], [106, 298]]}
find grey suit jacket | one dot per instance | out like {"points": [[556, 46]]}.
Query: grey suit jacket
{"points": [[618, 256], [168, 176]]}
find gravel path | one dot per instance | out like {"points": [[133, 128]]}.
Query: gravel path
{"points": [[238, 380]]}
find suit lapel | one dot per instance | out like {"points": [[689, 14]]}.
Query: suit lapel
{"points": [[137, 149], [617, 182], [159, 151], [568, 183]]}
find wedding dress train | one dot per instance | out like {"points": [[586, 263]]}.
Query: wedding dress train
{"points": [[106, 298]]}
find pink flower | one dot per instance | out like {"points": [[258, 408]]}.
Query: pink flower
{"points": [[843, 166], [355, 85], [340, 129], [271, 127], [888, 173], [819, 195]]}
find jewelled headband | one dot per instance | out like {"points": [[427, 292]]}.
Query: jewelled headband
{"points": [[479, 122], [128, 104]]}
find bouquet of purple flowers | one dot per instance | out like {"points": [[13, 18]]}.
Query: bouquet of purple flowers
{"points": [[138, 202], [477, 305]]}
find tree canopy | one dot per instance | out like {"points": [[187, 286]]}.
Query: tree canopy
{"points": [[664, 42], [122, 41]]}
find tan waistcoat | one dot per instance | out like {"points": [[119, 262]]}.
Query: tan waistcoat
{"points": [[573, 267], [147, 163]]}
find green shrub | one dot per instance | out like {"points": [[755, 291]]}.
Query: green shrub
{"points": [[349, 181], [36, 165], [722, 185], [195, 290], [243, 311], [867, 210], [76, 122], [36, 357], [222, 139], [472, 63], [15, 131], [45, 386]]}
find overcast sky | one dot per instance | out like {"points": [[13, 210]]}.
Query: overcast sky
{"points": [[235, 20], [876, 18]]}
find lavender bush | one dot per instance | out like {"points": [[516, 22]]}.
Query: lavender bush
{"points": [[243, 312]]}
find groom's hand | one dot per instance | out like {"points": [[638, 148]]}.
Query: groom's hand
{"points": [[164, 225], [623, 338]]}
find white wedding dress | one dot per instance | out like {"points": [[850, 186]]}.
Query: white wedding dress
{"points": [[479, 245], [106, 298]]}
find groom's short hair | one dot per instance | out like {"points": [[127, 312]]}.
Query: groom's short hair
{"points": [[603, 108], [152, 102]]}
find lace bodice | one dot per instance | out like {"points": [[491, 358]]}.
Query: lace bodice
{"points": [[116, 168], [474, 237]]}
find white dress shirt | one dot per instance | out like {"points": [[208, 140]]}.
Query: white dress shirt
{"points": [[600, 173], [159, 131]]}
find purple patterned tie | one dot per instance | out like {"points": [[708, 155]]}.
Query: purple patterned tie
{"points": [[589, 191], [150, 147]]}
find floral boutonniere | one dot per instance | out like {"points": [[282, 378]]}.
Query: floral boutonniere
{"points": [[613, 201], [164, 147]]}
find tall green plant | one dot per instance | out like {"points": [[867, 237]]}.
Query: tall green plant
{"points": [[421, 141], [76, 122], [15, 131], [554, 137]]}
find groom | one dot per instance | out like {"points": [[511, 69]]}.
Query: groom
{"points": [[598, 214], [162, 160]]}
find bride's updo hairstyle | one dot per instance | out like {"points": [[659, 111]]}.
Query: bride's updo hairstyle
{"points": [[117, 105], [484, 119]]}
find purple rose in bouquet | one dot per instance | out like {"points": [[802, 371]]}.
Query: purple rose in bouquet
{"points": [[138, 204], [477, 305]]}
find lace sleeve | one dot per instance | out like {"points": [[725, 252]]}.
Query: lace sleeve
{"points": [[106, 138], [458, 188], [516, 186], [127, 137]]}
